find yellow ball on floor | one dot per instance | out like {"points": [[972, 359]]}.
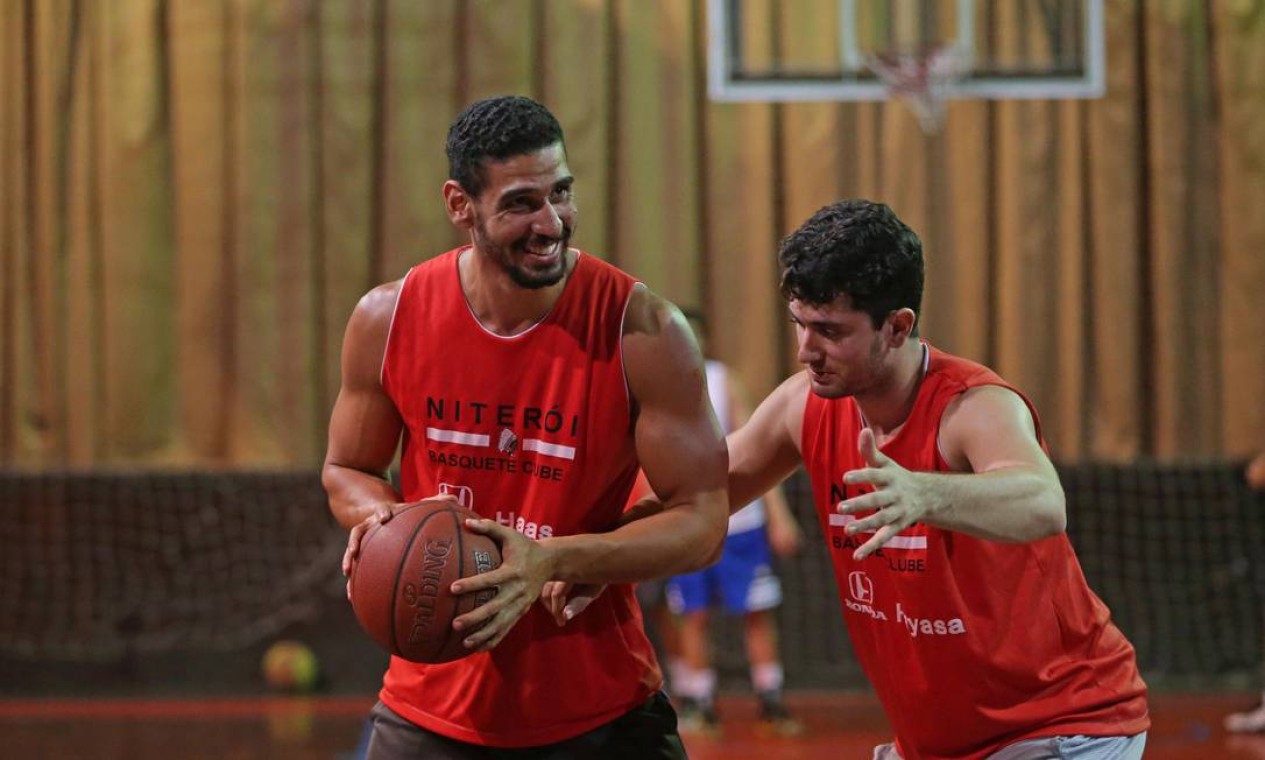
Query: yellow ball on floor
{"points": [[290, 666]]}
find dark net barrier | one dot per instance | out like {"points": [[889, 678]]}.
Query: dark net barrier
{"points": [[98, 565], [154, 582]]}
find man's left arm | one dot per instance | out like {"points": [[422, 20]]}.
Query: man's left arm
{"points": [[1003, 488], [780, 526], [683, 455]]}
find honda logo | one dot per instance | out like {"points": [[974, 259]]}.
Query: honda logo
{"points": [[861, 587], [464, 494]]}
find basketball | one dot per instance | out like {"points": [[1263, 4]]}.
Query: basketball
{"points": [[401, 578]]}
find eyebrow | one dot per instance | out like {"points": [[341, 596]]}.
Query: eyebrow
{"points": [[514, 192], [815, 323]]}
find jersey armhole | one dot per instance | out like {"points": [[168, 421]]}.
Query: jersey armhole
{"points": [[803, 422], [1032, 412], [623, 368], [386, 344]]}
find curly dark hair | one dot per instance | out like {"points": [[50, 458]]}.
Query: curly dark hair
{"points": [[496, 128], [857, 248]]}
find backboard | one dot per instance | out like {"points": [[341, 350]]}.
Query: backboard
{"points": [[795, 50]]}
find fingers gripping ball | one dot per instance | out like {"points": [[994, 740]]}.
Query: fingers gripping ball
{"points": [[402, 575]]}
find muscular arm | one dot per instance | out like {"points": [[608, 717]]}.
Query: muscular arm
{"points": [[1004, 488], [783, 531], [683, 457], [364, 429], [681, 452], [1010, 490]]}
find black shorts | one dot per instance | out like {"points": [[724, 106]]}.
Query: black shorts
{"points": [[648, 731]]}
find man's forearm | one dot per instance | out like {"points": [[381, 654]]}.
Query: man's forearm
{"points": [[355, 494], [675, 540], [1012, 505]]}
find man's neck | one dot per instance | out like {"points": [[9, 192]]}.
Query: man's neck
{"points": [[887, 407], [502, 306]]}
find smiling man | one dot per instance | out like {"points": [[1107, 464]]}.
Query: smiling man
{"points": [[529, 380], [943, 515]]}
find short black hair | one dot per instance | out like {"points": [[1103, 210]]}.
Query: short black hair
{"points": [[856, 248], [496, 128]]}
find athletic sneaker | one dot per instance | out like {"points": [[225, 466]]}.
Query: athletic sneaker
{"points": [[698, 718], [776, 720], [1251, 722]]}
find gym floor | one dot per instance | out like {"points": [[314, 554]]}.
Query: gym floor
{"points": [[840, 725]]}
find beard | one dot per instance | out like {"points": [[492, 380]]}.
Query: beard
{"points": [[855, 380], [516, 262]]}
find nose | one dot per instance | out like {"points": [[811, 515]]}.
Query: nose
{"points": [[548, 221], [808, 351]]}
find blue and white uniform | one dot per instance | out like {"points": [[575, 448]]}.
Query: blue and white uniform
{"points": [[743, 579]]}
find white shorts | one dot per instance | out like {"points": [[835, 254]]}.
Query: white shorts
{"points": [[1056, 748]]}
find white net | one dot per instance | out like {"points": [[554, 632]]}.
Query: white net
{"points": [[922, 79]]}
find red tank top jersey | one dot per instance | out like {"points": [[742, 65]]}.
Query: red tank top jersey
{"points": [[533, 431], [970, 645]]}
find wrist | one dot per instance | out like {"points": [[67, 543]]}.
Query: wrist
{"points": [[933, 495], [552, 552]]}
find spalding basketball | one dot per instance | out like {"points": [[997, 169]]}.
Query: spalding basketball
{"points": [[401, 580]]}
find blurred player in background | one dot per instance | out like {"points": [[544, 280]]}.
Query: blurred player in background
{"points": [[945, 519], [743, 582], [1252, 721]]}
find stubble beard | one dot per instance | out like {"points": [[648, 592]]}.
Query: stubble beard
{"points": [[523, 277], [873, 377]]}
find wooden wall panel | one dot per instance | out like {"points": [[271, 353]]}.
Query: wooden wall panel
{"points": [[141, 340], [579, 80], [16, 368], [193, 196], [79, 233], [959, 258], [1238, 37], [1064, 417], [657, 235], [1182, 237], [1115, 405]]}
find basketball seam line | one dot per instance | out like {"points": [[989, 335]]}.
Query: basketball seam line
{"points": [[395, 589], [461, 573]]}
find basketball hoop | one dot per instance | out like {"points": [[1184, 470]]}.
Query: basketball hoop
{"points": [[922, 79]]}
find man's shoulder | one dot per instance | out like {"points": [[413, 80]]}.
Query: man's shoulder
{"points": [[791, 397], [960, 370], [648, 313], [796, 386], [425, 282], [594, 263], [602, 280], [378, 305], [445, 262]]}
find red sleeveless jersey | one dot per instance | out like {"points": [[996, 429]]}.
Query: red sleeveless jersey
{"points": [[533, 431], [971, 645]]}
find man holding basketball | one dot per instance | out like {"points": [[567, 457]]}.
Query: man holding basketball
{"points": [[944, 517], [528, 380]]}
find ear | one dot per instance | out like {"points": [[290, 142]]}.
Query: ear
{"points": [[901, 323], [459, 205]]}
